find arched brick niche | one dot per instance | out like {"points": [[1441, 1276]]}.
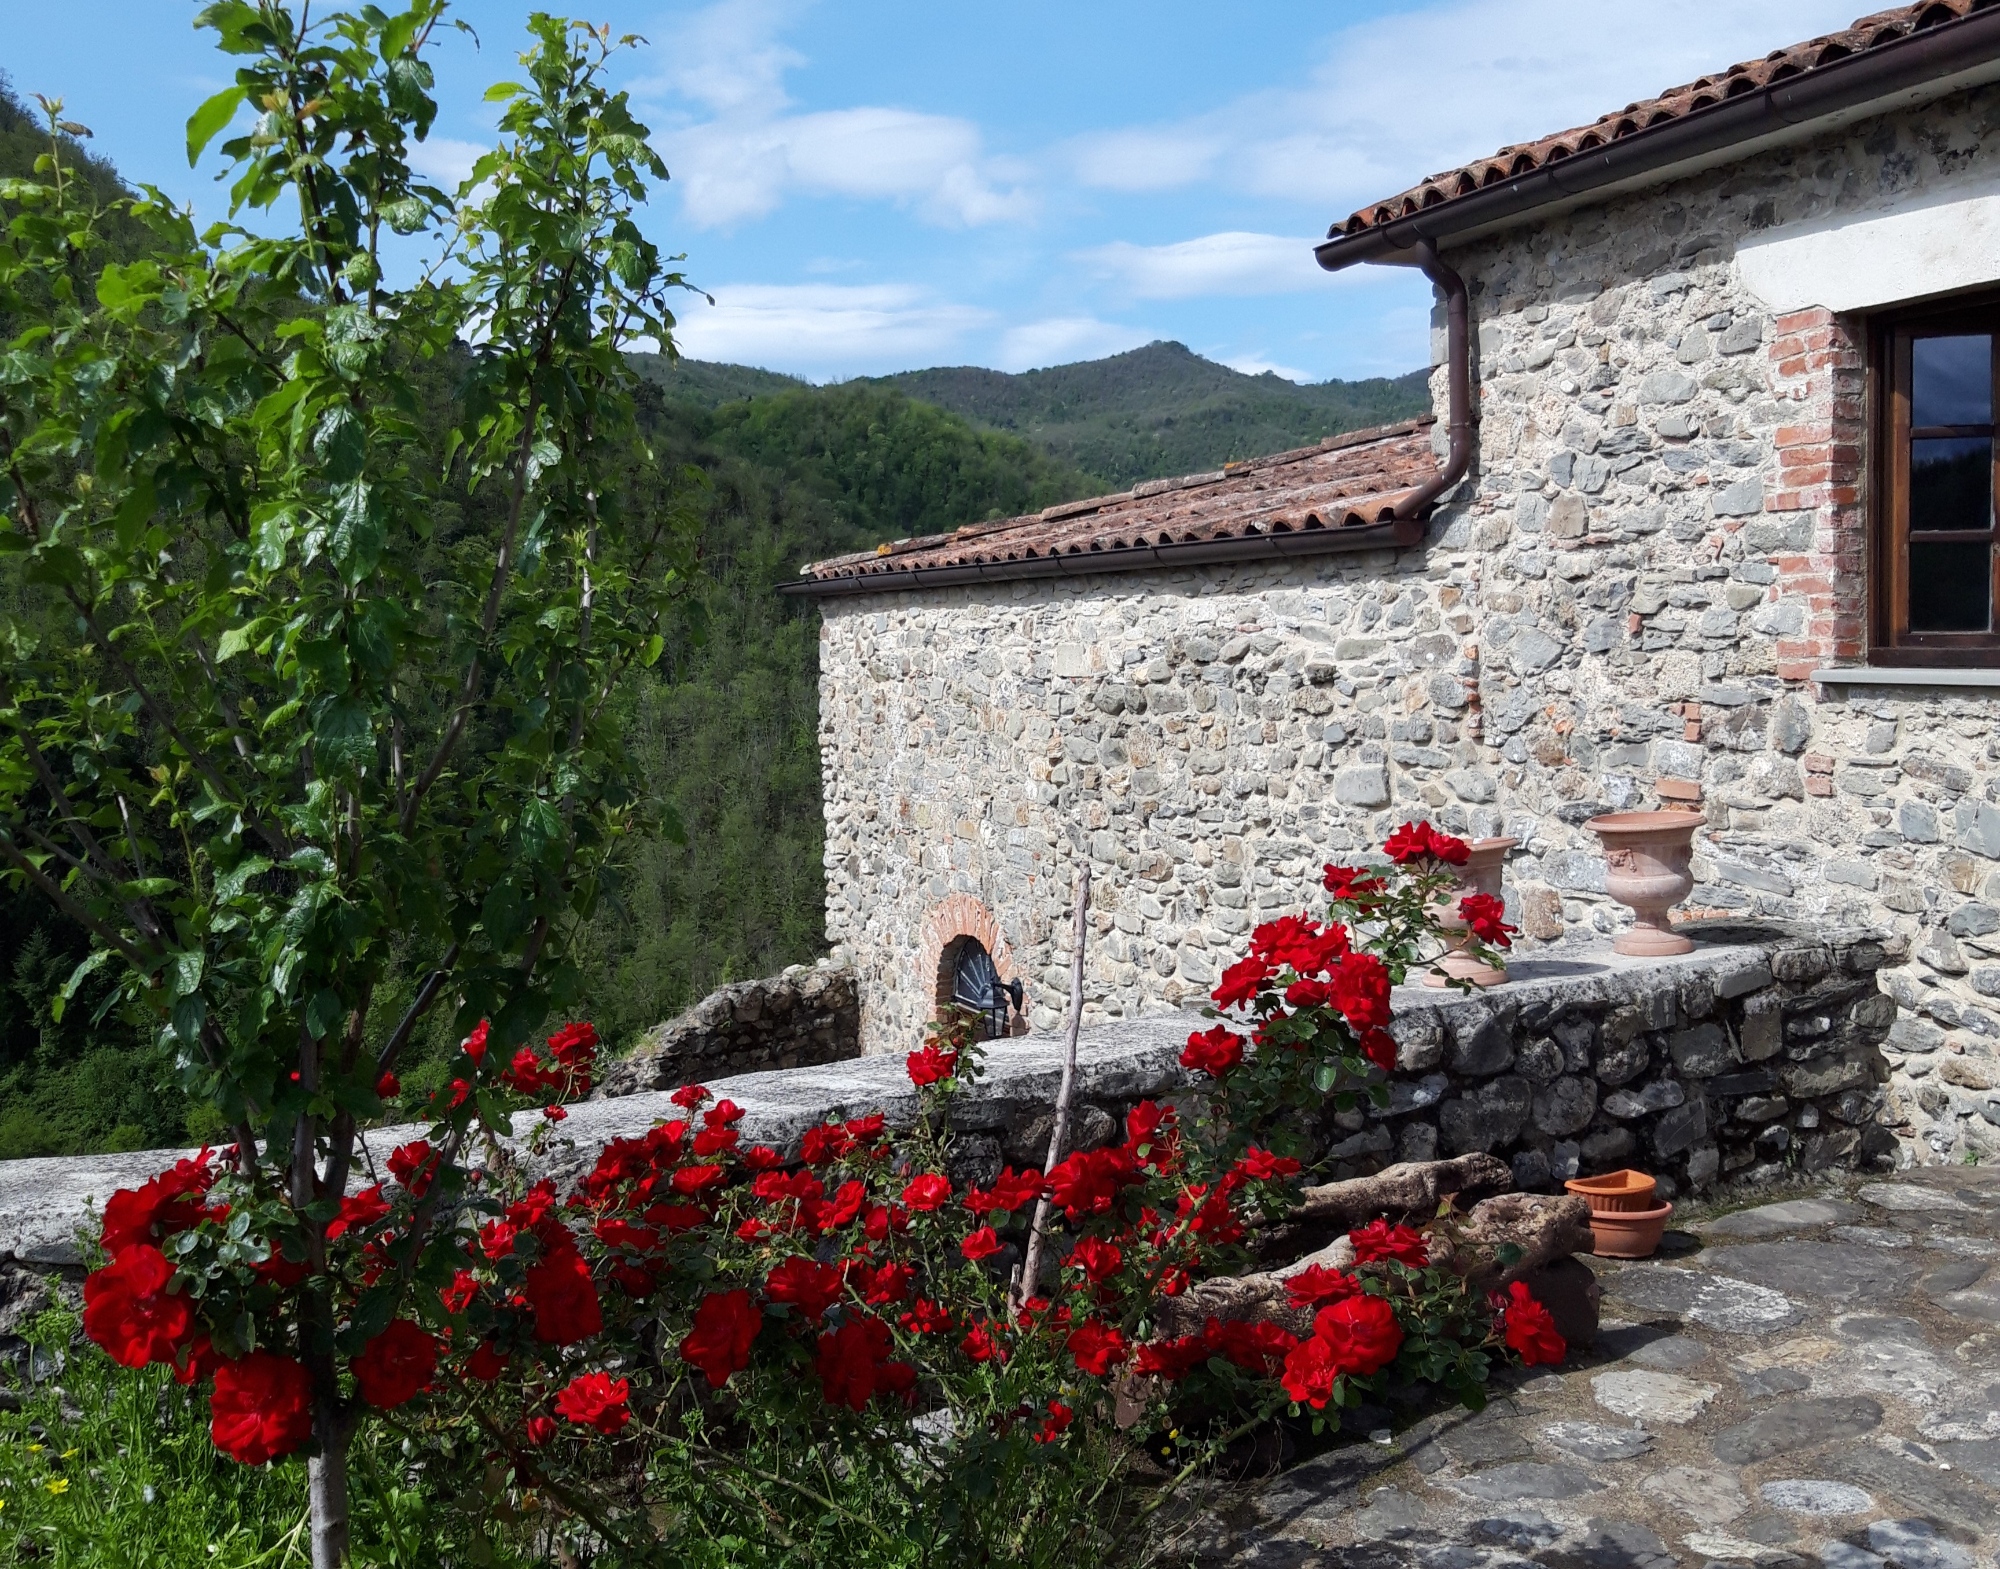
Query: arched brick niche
{"points": [[947, 926]]}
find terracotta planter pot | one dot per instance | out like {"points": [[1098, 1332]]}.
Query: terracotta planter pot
{"points": [[1631, 1233], [1615, 1192], [1480, 874], [1646, 869]]}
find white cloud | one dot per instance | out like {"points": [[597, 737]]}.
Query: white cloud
{"points": [[1145, 159], [445, 161], [1233, 262], [1404, 95], [743, 161], [1062, 340], [825, 329], [728, 57], [1257, 365]]}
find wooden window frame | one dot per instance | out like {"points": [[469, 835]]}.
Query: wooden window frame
{"points": [[1891, 643]]}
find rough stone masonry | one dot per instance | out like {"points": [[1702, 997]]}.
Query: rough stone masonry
{"points": [[1658, 543]]}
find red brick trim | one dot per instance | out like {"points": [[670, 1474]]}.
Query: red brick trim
{"points": [[1819, 365], [948, 920]]}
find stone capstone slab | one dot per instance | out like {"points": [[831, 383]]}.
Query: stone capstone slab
{"points": [[806, 1015]]}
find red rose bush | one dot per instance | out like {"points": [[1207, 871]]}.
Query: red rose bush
{"points": [[738, 1312]]}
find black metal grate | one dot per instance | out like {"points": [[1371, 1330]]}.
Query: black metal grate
{"points": [[976, 987]]}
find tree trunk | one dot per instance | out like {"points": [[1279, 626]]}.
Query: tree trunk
{"points": [[326, 1489]]}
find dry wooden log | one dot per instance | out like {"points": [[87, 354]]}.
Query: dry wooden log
{"points": [[1401, 1190], [1545, 1227]]}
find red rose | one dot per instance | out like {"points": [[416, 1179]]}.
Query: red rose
{"points": [[261, 1408], [358, 1211], [596, 1400], [1531, 1331], [713, 1141], [487, 1362], [1011, 1190], [843, 1209], [1379, 1047], [414, 1165], [1059, 1418], [1378, 1241], [851, 1362], [195, 1361], [128, 1310], [931, 1065], [1241, 982], [1097, 1347], [540, 1430], [689, 1096], [927, 1192], [863, 1132], [1259, 1348], [725, 1328], [886, 1285], [1099, 1260], [1418, 841], [1299, 943], [1152, 1134], [1260, 1165], [926, 1318], [475, 1043], [1486, 918], [983, 1243], [824, 1144], [1361, 1333], [1353, 884], [1318, 1285], [1309, 1372], [396, 1365], [558, 1287], [1213, 1052], [1361, 991], [809, 1286], [1173, 1360], [158, 1207], [692, 1180], [1089, 1182], [388, 1087], [1307, 994], [980, 1345], [461, 1293]]}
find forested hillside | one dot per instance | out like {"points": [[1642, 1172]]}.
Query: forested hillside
{"points": [[1155, 411], [780, 473], [1160, 410]]}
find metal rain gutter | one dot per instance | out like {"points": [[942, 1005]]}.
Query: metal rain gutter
{"points": [[1396, 534], [1927, 64]]}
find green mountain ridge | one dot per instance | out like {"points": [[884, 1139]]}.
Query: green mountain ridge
{"points": [[1150, 413]]}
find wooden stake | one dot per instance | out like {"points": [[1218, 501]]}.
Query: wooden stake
{"points": [[1031, 1267]]}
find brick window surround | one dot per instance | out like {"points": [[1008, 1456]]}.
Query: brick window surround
{"points": [[1819, 364], [945, 926]]}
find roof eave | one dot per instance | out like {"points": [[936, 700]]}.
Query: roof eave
{"points": [[1393, 535], [1909, 71]]}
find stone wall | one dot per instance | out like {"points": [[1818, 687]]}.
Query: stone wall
{"points": [[1660, 538], [1755, 1056], [807, 1015]]}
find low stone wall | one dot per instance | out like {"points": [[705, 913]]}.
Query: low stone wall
{"points": [[808, 1014], [1757, 1055]]}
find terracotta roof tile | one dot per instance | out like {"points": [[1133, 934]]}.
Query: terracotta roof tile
{"points": [[1870, 32], [1349, 481]]}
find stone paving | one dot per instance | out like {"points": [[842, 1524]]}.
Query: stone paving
{"points": [[1814, 1381]]}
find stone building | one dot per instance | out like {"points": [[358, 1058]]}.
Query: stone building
{"points": [[1707, 518]]}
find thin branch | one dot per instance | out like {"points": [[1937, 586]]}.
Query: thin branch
{"points": [[76, 912], [419, 1006]]}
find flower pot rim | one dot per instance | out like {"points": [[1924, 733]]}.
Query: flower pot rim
{"points": [[1619, 1219], [1503, 842], [1644, 822], [1597, 1183]]}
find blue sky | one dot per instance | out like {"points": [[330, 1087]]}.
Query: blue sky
{"points": [[877, 185]]}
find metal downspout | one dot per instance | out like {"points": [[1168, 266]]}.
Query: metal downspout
{"points": [[1458, 374]]}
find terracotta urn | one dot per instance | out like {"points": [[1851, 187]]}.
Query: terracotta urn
{"points": [[1646, 869], [1480, 874]]}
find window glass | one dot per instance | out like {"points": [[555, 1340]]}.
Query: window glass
{"points": [[1950, 584], [1951, 484], [1951, 381]]}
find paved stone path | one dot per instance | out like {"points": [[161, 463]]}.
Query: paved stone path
{"points": [[1810, 1382]]}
